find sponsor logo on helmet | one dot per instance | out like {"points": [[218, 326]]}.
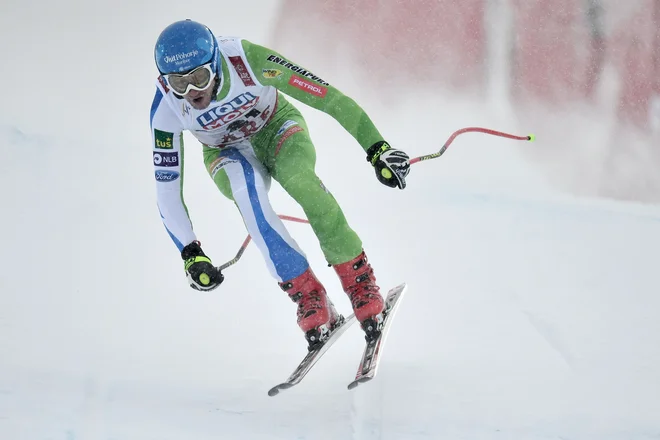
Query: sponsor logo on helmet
{"points": [[165, 159], [181, 57], [308, 86], [228, 111], [163, 140], [285, 126], [271, 73], [166, 176], [299, 70]]}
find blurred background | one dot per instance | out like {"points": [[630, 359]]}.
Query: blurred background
{"points": [[585, 74]]}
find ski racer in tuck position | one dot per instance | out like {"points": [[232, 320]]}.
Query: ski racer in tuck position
{"points": [[228, 92]]}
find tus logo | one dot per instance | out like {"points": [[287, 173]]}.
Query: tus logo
{"points": [[163, 140]]}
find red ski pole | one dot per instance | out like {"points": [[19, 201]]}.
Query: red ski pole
{"points": [[530, 137], [470, 130]]}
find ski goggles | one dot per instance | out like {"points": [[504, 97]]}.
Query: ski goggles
{"points": [[197, 79]]}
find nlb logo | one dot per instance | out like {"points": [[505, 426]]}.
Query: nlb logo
{"points": [[166, 176], [227, 112], [166, 159]]}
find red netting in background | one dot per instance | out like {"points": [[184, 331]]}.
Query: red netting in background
{"points": [[562, 47], [433, 40], [559, 48], [635, 50], [551, 51]]}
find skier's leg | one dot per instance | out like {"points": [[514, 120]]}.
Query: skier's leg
{"points": [[242, 178], [291, 158], [292, 161]]}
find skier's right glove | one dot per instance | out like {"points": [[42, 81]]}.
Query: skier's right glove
{"points": [[201, 273], [392, 166]]}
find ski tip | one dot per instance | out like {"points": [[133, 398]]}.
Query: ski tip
{"points": [[357, 382], [276, 389]]}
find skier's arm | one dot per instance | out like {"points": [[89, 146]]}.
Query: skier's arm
{"points": [[273, 69], [167, 145]]}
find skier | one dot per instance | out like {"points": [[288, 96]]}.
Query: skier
{"points": [[226, 92]]}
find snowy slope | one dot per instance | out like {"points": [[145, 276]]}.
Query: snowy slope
{"points": [[536, 309]]}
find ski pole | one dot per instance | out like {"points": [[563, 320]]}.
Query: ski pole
{"points": [[530, 138]]}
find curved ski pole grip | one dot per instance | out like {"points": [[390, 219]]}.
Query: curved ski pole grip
{"points": [[470, 130], [247, 240]]}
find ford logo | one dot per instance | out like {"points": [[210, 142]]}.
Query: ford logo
{"points": [[166, 176]]}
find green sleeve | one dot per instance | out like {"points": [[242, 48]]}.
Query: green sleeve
{"points": [[272, 69]]}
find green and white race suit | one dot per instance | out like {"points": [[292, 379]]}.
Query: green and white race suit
{"points": [[250, 133]]}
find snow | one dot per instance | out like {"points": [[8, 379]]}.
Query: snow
{"points": [[531, 313]]}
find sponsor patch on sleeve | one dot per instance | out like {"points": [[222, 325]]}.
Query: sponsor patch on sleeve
{"points": [[301, 71], [308, 86], [166, 175], [271, 73], [166, 159], [163, 139]]}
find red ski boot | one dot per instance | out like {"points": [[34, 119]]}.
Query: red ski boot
{"points": [[359, 283], [316, 313]]}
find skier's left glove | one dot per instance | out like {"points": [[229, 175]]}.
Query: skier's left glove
{"points": [[392, 166], [201, 273]]}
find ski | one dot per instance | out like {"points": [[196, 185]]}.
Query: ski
{"points": [[374, 348], [312, 357]]}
